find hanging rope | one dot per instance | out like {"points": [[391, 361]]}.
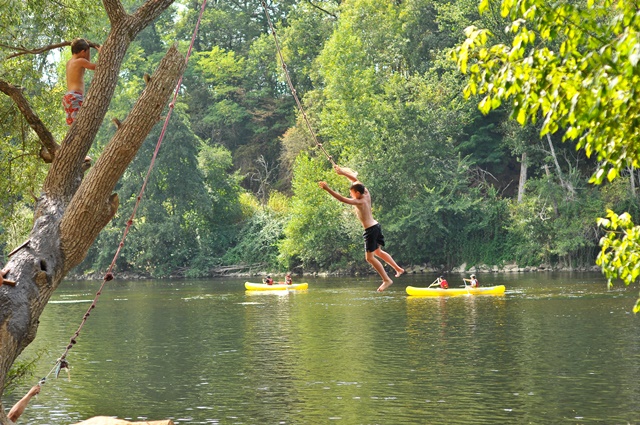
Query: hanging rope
{"points": [[290, 83], [62, 363]]}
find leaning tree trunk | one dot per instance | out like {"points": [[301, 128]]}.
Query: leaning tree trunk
{"points": [[72, 209]]}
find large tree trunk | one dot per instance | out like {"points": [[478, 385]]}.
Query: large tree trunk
{"points": [[72, 210]]}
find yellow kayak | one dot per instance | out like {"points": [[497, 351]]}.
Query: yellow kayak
{"points": [[439, 292], [275, 287]]}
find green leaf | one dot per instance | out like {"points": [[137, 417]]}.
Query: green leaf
{"points": [[485, 105], [483, 6]]}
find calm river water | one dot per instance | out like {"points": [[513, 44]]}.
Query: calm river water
{"points": [[555, 349]]}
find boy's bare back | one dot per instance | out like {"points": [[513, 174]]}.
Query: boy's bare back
{"points": [[80, 61], [76, 67]]}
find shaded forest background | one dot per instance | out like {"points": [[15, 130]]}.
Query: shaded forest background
{"points": [[235, 185]]}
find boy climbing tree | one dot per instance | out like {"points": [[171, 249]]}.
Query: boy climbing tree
{"points": [[76, 66]]}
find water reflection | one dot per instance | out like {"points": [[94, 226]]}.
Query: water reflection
{"points": [[554, 348]]}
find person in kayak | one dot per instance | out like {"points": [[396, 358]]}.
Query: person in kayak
{"points": [[268, 280], [473, 282], [443, 282], [287, 279], [373, 237]]}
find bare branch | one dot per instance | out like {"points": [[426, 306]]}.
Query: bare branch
{"points": [[24, 51], [262, 176], [45, 136], [322, 10], [20, 51]]}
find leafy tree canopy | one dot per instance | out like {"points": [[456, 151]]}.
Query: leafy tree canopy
{"points": [[573, 66]]}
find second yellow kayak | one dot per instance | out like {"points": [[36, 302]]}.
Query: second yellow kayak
{"points": [[439, 292]]}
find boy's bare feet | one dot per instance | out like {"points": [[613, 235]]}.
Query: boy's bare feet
{"points": [[385, 285], [399, 272]]}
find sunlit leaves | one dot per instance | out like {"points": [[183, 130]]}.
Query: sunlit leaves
{"points": [[619, 255], [582, 80], [318, 221]]}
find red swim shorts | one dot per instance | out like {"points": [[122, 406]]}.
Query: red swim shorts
{"points": [[72, 101]]}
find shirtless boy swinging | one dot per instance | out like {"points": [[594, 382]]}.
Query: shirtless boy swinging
{"points": [[373, 237]]}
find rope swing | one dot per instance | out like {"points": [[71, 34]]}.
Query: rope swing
{"points": [[62, 363], [290, 84]]}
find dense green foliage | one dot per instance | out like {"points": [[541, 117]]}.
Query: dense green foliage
{"points": [[572, 66], [236, 180]]}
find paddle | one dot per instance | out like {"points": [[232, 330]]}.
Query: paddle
{"points": [[435, 282], [466, 286]]}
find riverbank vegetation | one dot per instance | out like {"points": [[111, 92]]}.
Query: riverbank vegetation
{"points": [[235, 185]]}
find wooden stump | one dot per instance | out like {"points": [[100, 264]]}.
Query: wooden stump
{"points": [[106, 420]]}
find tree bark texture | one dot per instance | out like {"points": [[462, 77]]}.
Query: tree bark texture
{"points": [[72, 210]]}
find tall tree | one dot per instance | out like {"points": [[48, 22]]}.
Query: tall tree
{"points": [[72, 208]]}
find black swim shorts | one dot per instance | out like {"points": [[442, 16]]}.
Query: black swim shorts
{"points": [[373, 238]]}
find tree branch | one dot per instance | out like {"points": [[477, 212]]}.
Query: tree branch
{"points": [[321, 9], [115, 11], [45, 136], [148, 12], [24, 51]]}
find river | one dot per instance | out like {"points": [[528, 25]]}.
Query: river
{"points": [[557, 348]]}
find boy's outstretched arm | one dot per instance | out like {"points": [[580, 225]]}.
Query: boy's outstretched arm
{"points": [[336, 195], [348, 173], [17, 410]]}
